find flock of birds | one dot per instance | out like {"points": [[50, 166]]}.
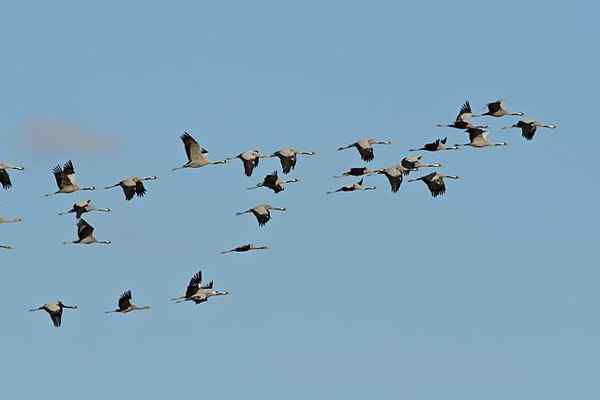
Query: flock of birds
{"points": [[199, 292]]}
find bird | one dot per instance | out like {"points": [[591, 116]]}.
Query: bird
{"points": [[6, 247], [5, 177], [357, 171], [288, 158], [498, 109], [10, 221], [395, 175], [478, 138], [435, 182], [262, 212], [274, 182], [133, 186], [249, 159], [196, 154], [125, 304], [413, 163], [66, 180], [244, 248], [365, 147], [438, 145], [463, 119], [197, 292], [354, 187], [82, 207], [85, 232], [529, 127], [55, 310]]}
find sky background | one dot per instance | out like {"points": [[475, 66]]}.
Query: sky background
{"points": [[489, 292]]}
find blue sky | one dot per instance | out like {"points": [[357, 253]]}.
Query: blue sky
{"points": [[490, 291]]}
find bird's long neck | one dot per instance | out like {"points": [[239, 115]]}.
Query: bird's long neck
{"points": [[149, 178], [141, 307], [515, 113], [13, 221], [88, 188], [103, 242], [15, 167], [103, 209], [219, 162], [292, 180], [4, 246], [451, 176], [217, 293]]}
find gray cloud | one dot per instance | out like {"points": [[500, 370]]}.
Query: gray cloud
{"points": [[49, 135]]}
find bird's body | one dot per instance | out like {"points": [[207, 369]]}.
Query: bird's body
{"points": [[5, 247], [438, 145], [250, 160], [354, 187], [133, 186], [529, 127], [4, 175], [463, 119], [365, 147], [274, 182], [498, 109], [197, 292], [357, 171], [125, 305], [479, 138], [262, 212], [82, 207], [435, 182], [289, 157], [197, 155], [244, 248], [85, 233], [66, 179], [55, 311]]}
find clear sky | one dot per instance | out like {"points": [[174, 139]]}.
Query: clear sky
{"points": [[489, 292]]}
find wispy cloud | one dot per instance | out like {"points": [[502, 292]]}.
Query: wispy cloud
{"points": [[50, 135]]}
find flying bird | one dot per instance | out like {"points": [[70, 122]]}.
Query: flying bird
{"points": [[197, 155], [395, 175], [5, 177], [82, 207], [133, 186], [435, 182], [66, 180], [463, 119], [249, 159], [357, 171], [438, 145], [354, 187], [274, 182], [10, 221], [244, 248], [529, 127], [55, 310], [6, 247], [498, 109], [413, 163], [365, 147], [126, 306], [478, 138], [197, 292], [288, 158], [85, 232], [262, 212]]}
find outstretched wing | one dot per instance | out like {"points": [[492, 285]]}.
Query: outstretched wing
{"points": [[61, 178], [129, 191], [5, 179], [125, 300], [69, 172], [436, 185], [465, 113], [366, 153], [249, 166], [528, 131], [395, 181], [263, 218], [84, 229], [494, 106], [56, 317], [193, 150], [288, 163], [194, 284], [140, 190]]}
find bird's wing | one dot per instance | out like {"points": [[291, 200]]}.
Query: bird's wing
{"points": [[263, 218], [271, 179], [366, 153], [61, 178], [56, 317], [69, 172], [436, 186], [5, 179], [194, 284], [125, 300], [140, 190], [356, 171], [528, 131], [395, 181], [249, 166], [494, 106], [288, 163], [193, 150], [465, 113], [84, 229], [129, 192]]}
